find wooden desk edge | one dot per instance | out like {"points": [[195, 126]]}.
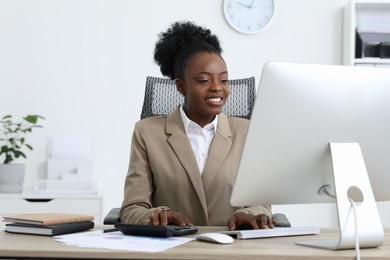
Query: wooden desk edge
{"points": [[30, 246]]}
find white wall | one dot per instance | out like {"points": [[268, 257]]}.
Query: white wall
{"points": [[82, 64]]}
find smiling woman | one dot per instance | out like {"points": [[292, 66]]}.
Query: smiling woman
{"points": [[182, 166], [205, 87]]}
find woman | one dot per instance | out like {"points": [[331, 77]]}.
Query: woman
{"points": [[183, 166]]}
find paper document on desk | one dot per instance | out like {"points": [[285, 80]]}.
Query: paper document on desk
{"points": [[118, 241]]}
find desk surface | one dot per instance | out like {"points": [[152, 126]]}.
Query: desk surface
{"points": [[29, 247]]}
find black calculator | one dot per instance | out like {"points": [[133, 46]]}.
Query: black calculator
{"points": [[155, 231]]}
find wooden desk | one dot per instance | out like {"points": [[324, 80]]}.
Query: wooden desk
{"points": [[30, 247]]}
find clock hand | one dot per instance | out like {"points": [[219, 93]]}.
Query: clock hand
{"points": [[251, 4], [247, 6]]}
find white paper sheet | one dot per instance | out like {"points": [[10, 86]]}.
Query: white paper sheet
{"points": [[71, 147], [69, 169], [118, 241]]}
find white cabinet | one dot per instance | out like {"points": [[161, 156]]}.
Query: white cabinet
{"points": [[368, 17], [29, 203]]}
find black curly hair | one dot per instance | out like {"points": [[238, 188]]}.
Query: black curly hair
{"points": [[179, 44]]}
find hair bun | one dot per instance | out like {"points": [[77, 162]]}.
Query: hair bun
{"points": [[179, 36]]}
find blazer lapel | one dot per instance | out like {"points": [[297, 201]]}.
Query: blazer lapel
{"points": [[183, 150], [218, 150]]}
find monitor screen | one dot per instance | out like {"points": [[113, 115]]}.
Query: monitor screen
{"points": [[299, 110]]}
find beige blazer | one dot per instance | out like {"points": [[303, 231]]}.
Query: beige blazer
{"points": [[163, 172]]}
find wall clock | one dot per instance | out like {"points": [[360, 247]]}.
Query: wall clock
{"points": [[248, 16]]}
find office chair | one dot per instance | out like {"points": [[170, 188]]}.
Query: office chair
{"points": [[161, 98]]}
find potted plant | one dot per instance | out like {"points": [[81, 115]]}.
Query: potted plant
{"points": [[12, 144]]}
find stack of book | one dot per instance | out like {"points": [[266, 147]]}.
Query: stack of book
{"points": [[48, 224]]}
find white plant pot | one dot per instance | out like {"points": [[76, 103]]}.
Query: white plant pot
{"points": [[11, 178]]}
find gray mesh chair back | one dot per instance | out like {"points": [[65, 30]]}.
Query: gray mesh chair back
{"points": [[161, 97]]}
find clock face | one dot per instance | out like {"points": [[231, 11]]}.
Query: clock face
{"points": [[248, 16]]}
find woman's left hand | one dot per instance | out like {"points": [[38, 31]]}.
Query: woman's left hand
{"points": [[247, 221]]}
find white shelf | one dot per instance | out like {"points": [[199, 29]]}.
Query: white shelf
{"points": [[372, 15], [371, 62]]}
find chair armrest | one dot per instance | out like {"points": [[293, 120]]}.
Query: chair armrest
{"points": [[112, 217]]}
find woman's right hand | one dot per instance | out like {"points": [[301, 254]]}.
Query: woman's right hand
{"points": [[166, 217]]}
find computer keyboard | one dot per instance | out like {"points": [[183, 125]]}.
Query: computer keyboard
{"points": [[273, 232]]}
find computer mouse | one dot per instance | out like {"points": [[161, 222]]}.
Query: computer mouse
{"points": [[215, 238]]}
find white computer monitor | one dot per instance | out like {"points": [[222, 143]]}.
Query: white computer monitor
{"points": [[300, 109]]}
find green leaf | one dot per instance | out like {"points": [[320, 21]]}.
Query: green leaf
{"points": [[6, 117], [19, 153], [8, 159], [31, 119], [29, 146], [4, 149]]}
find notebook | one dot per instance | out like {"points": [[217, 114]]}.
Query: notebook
{"points": [[47, 218], [50, 230]]}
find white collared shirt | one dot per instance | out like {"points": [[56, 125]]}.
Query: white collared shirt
{"points": [[200, 138]]}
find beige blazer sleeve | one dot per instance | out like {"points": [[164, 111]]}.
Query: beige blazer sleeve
{"points": [[163, 172]]}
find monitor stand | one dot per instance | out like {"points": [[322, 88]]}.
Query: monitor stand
{"points": [[350, 179]]}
